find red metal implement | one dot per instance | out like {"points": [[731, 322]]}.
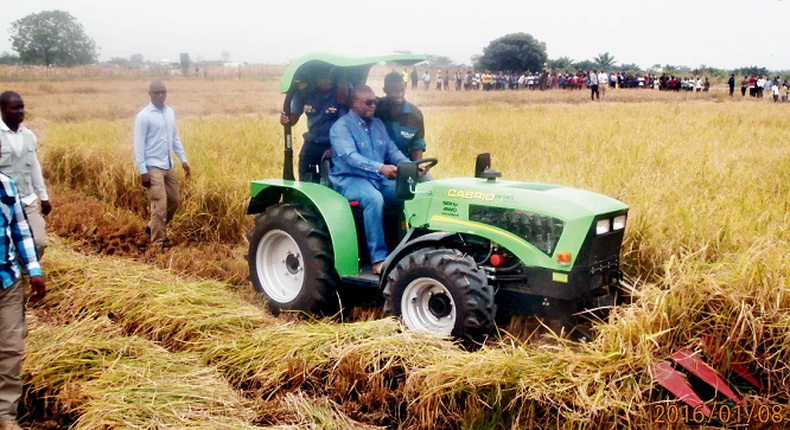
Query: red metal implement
{"points": [[694, 364], [676, 384]]}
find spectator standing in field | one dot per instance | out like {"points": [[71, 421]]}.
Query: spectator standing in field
{"points": [[767, 85], [155, 137], [439, 80], [468, 80], [458, 79], [405, 76], [744, 85], [19, 161], [603, 79], [760, 86], [414, 78], [775, 90], [785, 91], [488, 79], [592, 81], [365, 164], [699, 84], [731, 84], [446, 80], [16, 247], [426, 77]]}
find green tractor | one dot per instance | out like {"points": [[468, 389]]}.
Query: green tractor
{"points": [[461, 250]]}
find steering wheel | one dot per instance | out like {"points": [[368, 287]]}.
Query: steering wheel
{"points": [[429, 161]]}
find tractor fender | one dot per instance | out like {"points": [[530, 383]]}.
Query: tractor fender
{"points": [[413, 240], [331, 206]]}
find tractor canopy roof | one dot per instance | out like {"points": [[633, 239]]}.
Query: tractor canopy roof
{"points": [[304, 69]]}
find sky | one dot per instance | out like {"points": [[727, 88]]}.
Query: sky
{"points": [[718, 33]]}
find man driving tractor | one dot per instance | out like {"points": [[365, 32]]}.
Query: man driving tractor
{"points": [[365, 163]]}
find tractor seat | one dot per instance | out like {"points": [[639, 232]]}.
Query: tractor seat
{"points": [[323, 171]]}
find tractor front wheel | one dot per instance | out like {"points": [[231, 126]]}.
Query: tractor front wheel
{"points": [[291, 260], [442, 292]]}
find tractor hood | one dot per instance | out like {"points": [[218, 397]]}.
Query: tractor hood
{"points": [[561, 202], [533, 221]]}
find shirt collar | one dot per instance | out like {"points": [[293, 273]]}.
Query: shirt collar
{"points": [[6, 129], [359, 120], [152, 107]]}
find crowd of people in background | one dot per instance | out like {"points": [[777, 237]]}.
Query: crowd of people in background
{"points": [[758, 86], [594, 80]]}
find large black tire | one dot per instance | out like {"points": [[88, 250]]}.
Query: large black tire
{"points": [[291, 261], [443, 292]]}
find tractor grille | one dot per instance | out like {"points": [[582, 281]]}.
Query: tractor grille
{"points": [[541, 231]]}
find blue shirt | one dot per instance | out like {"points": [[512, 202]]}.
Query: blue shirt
{"points": [[155, 136], [360, 148], [322, 110], [17, 238]]}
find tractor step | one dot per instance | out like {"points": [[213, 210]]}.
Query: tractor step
{"points": [[365, 278]]}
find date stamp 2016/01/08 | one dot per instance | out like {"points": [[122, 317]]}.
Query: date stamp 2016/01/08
{"points": [[720, 413]]}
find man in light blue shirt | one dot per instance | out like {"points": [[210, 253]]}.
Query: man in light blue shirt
{"points": [[365, 163], [155, 137]]}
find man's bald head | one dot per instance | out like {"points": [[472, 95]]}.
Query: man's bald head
{"points": [[158, 94], [364, 102]]}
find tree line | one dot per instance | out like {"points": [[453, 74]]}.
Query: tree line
{"points": [[57, 38]]}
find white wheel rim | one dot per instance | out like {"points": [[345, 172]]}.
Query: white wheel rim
{"points": [[421, 300], [280, 266]]}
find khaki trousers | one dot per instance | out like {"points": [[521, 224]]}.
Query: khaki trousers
{"points": [[12, 346], [37, 226], [163, 194]]}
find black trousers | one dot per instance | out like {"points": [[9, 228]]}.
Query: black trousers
{"points": [[594, 92], [310, 160]]}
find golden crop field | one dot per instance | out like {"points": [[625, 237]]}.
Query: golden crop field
{"points": [[129, 339]]}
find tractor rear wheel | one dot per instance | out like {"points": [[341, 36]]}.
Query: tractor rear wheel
{"points": [[443, 292], [291, 261]]}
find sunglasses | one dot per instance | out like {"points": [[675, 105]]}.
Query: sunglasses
{"points": [[369, 102]]}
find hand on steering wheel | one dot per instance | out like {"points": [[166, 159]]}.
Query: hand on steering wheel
{"points": [[429, 162]]}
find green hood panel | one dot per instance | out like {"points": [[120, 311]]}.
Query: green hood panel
{"points": [[358, 67], [561, 202]]}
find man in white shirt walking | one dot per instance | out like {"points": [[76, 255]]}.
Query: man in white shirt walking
{"points": [[155, 137], [19, 161]]}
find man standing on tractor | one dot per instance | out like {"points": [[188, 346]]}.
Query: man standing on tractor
{"points": [[403, 120], [324, 101], [365, 164]]}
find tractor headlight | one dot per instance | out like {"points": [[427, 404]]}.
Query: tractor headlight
{"points": [[618, 223], [602, 227]]}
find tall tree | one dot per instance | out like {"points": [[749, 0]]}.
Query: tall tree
{"points": [[604, 61], [52, 37], [438, 60], [560, 64], [516, 51], [225, 56]]}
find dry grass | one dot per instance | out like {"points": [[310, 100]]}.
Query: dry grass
{"points": [[381, 376], [88, 371], [708, 229]]}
